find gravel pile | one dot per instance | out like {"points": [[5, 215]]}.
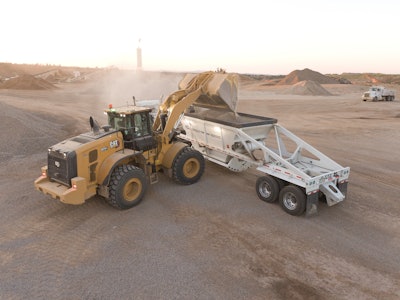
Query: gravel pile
{"points": [[307, 74], [25, 133], [27, 82], [306, 87]]}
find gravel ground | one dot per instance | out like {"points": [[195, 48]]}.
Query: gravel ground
{"points": [[211, 240]]}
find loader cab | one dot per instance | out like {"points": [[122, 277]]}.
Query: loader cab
{"points": [[135, 123]]}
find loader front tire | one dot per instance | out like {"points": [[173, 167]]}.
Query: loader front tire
{"points": [[188, 166], [292, 200], [267, 189], [127, 187]]}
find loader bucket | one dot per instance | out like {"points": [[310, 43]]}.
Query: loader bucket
{"points": [[220, 89]]}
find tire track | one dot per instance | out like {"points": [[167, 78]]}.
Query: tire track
{"points": [[275, 262]]}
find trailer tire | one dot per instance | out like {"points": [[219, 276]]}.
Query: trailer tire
{"points": [[188, 166], [267, 189], [292, 200], [127, 187]]}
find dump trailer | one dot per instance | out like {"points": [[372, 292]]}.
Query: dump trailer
{"points": [[292, 170]]}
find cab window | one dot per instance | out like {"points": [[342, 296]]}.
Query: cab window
{"points": [[116, 122], [141, 125]]}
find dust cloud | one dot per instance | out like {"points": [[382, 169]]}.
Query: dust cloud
{"points": [[117, 87]]}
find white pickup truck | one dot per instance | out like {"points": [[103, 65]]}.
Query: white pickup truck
{"points": [[378, 93]]}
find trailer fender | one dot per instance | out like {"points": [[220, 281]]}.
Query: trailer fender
{"points": [[111, 162]]}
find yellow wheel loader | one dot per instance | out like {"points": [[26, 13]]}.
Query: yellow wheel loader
{"points": [[117, 161]]}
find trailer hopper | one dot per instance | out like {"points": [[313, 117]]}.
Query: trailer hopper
{"points": [[293, 171]]}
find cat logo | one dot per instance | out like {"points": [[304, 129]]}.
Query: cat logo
{"points": [[114, 144]]}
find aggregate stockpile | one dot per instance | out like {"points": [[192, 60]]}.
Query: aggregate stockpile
{"points": [[118, 160]]}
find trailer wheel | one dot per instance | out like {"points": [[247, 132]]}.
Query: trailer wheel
{"points": [[267, 189], [293, 200], [188, 166], [127, 187]]}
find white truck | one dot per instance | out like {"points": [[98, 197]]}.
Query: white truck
{"points": [[378, 93]]}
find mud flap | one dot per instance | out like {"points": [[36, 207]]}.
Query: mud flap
{"points": [[343, 188], [312, 204]]}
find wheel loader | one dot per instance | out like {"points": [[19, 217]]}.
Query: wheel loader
{"points": [[118, 161]]}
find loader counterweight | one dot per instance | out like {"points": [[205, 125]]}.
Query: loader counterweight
{"points": [[70, 195]]}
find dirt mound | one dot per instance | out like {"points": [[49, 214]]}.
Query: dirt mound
{"points": [[27, 82], [306, 87], [307, 74], [371, 79]]}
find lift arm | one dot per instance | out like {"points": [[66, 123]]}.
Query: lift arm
{"points": [[208, 89]]}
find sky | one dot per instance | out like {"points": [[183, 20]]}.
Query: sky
{"points": [[252, 36]]}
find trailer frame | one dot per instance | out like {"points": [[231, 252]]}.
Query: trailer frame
{"points": [[241, 141]]}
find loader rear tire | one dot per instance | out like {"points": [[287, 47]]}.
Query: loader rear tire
{"points": [[127, 187], [267, 189], [292, 200], [188, 166]]}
